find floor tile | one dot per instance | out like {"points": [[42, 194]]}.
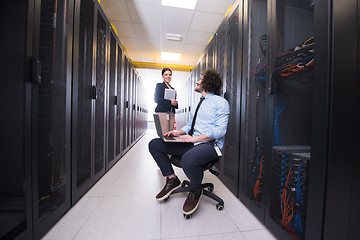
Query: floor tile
{"points": [[243, 218], [222, 236], [122, 205], [71, 223], [123, 218], [259, 235], [206, 220]]}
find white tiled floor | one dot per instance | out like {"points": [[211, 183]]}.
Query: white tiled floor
{"points": [[122, 205]]}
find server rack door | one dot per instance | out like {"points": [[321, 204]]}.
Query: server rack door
{"points": [[251, 181], [111, 119], [15, 185], [126, 104], [100, 86], [342, 183], [232, 83], [119, 102], [132, 110], [82, 98], [51, 115], [129, 109], [290, 94], [221, 56]]}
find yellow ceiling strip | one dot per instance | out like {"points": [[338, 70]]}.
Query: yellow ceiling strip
{"points": [[173, 67], [210, 39], [228, 10], [113, 27]]}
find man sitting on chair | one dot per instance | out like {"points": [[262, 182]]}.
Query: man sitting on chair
{"points": [[204, 132]]}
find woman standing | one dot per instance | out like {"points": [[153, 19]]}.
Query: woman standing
{"points": [[165, 108]]}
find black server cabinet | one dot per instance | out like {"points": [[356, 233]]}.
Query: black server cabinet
{"points": [[99, 85], [252, 156], [232, 30], [50, 113], [111, 104], [342, 168], [16, 21], [89, 95], [82, 98], [119, 101], [125, 142], [289, 102]]}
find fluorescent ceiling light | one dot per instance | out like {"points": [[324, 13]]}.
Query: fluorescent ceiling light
{"points": [[188, 4], [170, 56], [174, 37]]}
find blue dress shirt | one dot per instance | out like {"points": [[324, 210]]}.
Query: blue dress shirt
{"points": [[212, 119]]}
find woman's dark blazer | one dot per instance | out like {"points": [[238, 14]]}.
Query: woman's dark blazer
{"points": [[163, 105]]}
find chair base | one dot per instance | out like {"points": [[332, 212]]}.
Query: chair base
{"points": [[207, 191]]}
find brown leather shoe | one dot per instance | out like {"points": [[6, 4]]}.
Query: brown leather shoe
{"points": [[192, 202], [171, 185]]}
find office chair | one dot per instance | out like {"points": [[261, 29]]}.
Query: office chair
{"points": [[207, 187]]}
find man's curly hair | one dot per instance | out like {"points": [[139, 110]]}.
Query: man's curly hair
{"points": [[212, 81]]}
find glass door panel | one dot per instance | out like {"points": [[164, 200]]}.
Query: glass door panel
{"points": [[112, 99], [82, 96], [231, 89], [15, 157], [50, 104], [253, 165], [99, 160], [119, 103], [292, 114]]}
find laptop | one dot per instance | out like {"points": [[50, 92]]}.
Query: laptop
{"points": [[159, 131]]}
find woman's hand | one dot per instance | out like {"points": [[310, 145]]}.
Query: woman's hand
{"points": [[174, 102]]}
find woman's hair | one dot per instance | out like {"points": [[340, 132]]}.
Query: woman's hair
{"points": [[211, 82], [164, 70]]}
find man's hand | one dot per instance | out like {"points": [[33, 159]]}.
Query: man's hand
{"points": [[171, 133], [188, 138]]}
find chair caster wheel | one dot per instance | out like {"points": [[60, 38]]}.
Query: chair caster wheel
{"points": [[219, 207], [166, 199], [187, 216]]}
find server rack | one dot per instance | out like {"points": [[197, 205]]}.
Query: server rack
{"points": [[15, 176], [50, 113], [63, 124], [232, 31], [111, 105], [82, 98], [291, 107]]}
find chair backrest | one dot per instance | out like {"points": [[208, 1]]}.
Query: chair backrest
{"points": [[176, 161]]}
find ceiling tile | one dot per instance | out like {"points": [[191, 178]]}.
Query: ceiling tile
{"points": [[208, 22], [198, 38], [188, 59], [172, 46], [125, 29], [154, 2], [176, 17], [134, 53], [144, 13], [193, 49], [115, 10], [214, 6], [152, 56], [147, 31]]}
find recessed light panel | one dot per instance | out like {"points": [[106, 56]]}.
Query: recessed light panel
{"points": [[188, 4], [167, 56]]}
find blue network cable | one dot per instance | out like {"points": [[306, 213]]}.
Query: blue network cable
{"points": [[298, 223], [280, 105]]}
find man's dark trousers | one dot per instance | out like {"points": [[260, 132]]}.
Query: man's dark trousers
{"points": [[194, 158]]}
